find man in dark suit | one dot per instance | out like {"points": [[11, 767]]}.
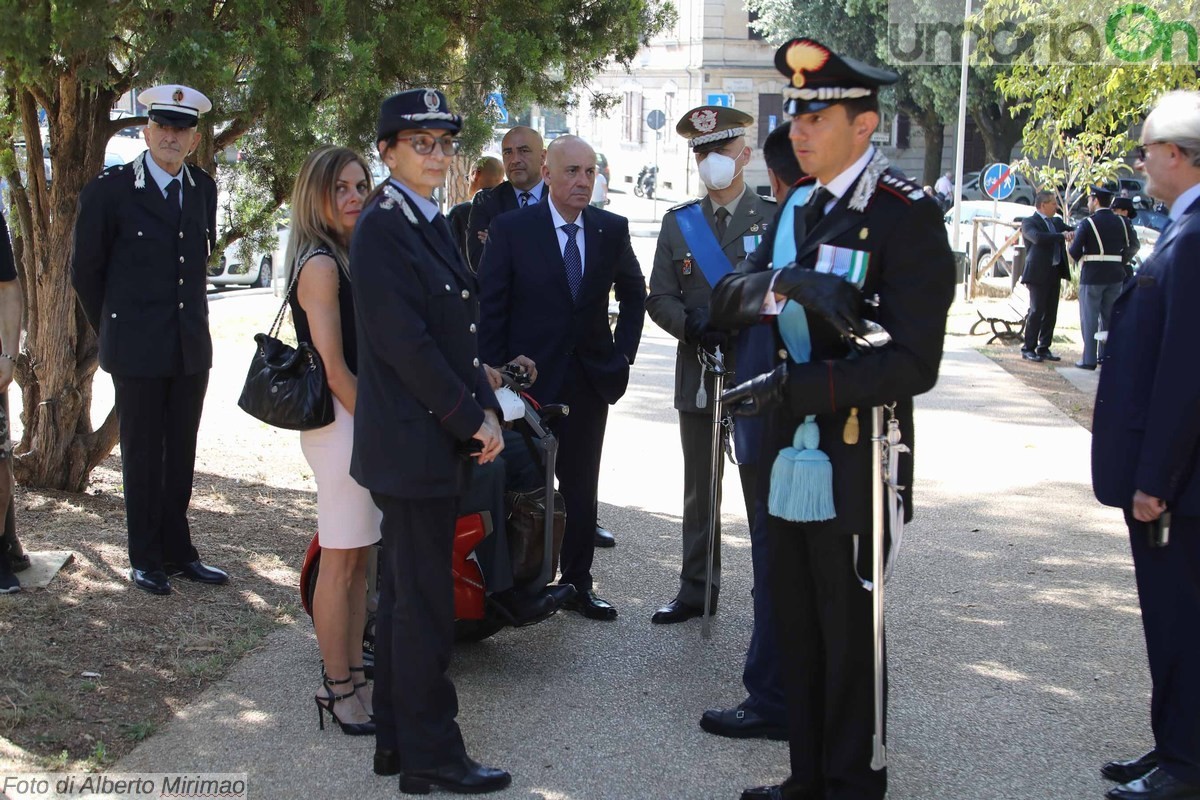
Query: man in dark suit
{"points": [[486, 174], [143, 237], [1104, 243], [850, 231], [699, 243], [545, 279], [1145, 440], [12, 556], [523, 155], [1046, 238]]}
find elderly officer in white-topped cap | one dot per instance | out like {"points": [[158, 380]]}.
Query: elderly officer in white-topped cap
{"points": [[142, 239]]}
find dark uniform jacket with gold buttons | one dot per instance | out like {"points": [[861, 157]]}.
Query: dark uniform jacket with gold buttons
{"points": [[911, 271], [421, 388], [677, 284], [141, 278]]}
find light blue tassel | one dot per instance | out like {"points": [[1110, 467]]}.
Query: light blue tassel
{"points": [[802, 479]]}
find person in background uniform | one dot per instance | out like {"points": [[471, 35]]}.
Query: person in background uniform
{"points": [[523, 154], [1046, 237], [546, 275], [423, 404], [143, 238], [12, 306], [326, 203], [850, 232], [1145, 437], [1103, 245], [763, 713], [1123, 208], [700, 242], [487, 172]]}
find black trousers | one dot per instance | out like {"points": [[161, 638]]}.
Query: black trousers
{"points": [[415, 701], [695, 434], [1043, 315], [159, 419], [580, 444], [823, 618], [1168, 581]]}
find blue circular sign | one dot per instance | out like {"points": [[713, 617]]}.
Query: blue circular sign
{"points": [[999, 181]]}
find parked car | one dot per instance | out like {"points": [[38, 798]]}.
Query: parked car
{"points": [[1023, 193], [231, 271], [990, 236]]}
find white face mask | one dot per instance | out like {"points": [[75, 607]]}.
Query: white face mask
{"points": [[718, 171]]}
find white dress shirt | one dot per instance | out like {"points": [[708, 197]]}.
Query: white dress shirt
{"points": [[162, 177]]}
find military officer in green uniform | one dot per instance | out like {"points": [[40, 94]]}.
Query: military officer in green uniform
{"points": [[701, 241]]}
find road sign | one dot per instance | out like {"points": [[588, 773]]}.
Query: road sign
{"points": [[999, 181], [496, 100], [656, 119], [725, 100]]}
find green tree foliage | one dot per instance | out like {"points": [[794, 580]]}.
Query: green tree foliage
{"points": [[283, 76]]}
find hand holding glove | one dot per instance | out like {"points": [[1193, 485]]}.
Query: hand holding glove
{"points": [[697, 330], [830, 296], [756, 395]]}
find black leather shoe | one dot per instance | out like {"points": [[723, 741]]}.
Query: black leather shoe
{"points": [[1130, 770], [521, 610], [463, 776], [1155, 785], [1048, 356], [1081, 365], [741, 723], [1031, 356], [198, 571], [781, 791], [675, 611], [590, 606], [387, 762], [153, 581], [604, 537]]}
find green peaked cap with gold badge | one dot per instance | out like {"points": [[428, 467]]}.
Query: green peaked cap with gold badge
{"points": [[707, 127]]}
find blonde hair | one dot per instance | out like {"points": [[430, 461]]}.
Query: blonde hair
{"points": [[314, 204]]}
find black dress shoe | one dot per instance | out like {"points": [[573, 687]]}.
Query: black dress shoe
{"points": [[1048, 356], [153, 581], [1029, 355], [675, 611], [741, 723], [1131, 770], [604, 537], [387, 762], [1081, 365], [590, 606], [1155, 785], [521, 610], [463, 776], [782, 791], [198, 571]]}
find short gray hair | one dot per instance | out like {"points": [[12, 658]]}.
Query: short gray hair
{"points": [[1176, 119], [1044, 196]]}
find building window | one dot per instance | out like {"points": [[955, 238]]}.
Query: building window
{"points": [[750, 29], [631, 118]]}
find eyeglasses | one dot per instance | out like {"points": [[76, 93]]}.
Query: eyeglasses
{"points": [[424, 144], [1141, 148]]}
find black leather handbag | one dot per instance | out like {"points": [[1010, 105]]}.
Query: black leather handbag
{"points": [[286, 386]]}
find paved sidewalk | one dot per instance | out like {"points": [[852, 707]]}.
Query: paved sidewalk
{"points": [[1015, 640]]}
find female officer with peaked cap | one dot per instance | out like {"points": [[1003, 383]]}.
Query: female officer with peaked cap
{"points": [[422, 398]]}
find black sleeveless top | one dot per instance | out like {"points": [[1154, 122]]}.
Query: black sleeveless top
{"points": [[345, 307]]}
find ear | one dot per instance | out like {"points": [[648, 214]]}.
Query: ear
{"points": [[865, 124], [744, 158], [545, 169]]}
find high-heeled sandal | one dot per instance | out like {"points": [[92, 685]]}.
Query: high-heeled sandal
{"points": [[363, 685], [327, 703]]}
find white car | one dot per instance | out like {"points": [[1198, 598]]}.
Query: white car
{"points": [[230, 271], [990, 236]]}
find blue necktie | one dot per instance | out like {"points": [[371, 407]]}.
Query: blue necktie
{"points": [[572, 260], [526, 199]]}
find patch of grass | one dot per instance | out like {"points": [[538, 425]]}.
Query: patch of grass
{"points": [[137, 731], [99, 758], [57, 763]]}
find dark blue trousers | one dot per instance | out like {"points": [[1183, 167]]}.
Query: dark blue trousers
{"points": [[1168, 581], [761, 675]]}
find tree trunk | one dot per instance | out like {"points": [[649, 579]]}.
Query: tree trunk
{"points": [[935, 141], [1001, 132], [58, 448]]}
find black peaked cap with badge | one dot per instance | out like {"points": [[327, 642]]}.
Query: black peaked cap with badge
{"points": [[708, 127], [415, 109], [818, 77], [1102, 191], [1124, 204]]}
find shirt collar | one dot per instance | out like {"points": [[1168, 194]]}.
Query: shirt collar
{"points": [[731, 206], [1184, 200], [160, 175], [558, 218], [428, 208], [535, 190], [842, 183]]}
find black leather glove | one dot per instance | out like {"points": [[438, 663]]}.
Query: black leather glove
{"points": [[712, 338], [756, 395], [695, 324], [830, 296]]}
